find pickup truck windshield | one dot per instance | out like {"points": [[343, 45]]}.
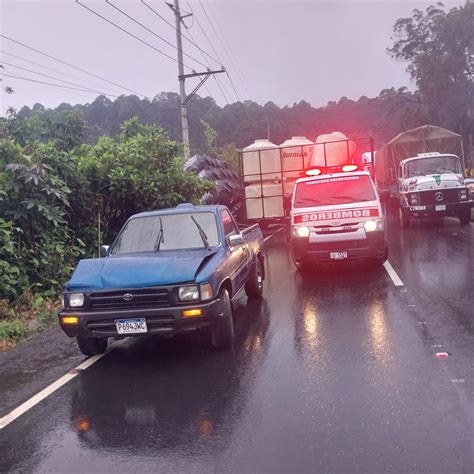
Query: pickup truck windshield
{"points": [[332, 191], [167, 232], [434, 165]]}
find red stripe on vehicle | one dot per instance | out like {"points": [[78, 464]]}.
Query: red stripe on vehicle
{"points": [[335, 215]]}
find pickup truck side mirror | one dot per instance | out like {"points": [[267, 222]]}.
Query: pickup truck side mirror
{"points": [[104, 250], [235, 240]]}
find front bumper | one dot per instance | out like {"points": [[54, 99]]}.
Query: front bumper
{"points": [[373, 246], [160, 321], [452, 209]]}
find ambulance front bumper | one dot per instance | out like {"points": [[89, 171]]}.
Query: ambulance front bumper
{"points": [[370, 245]]}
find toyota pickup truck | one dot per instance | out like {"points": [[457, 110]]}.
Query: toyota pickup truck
{"points": [[167, 272]]}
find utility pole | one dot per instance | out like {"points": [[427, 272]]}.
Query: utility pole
{"points": [[182, 90], [183, 98]]}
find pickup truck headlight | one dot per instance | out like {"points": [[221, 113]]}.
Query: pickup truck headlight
{"points": [[76, 300], [188, 293], [463, 194], [372, 226]]}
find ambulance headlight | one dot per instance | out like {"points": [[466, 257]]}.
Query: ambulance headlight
{"points": [[301, 231], [372, 226]]}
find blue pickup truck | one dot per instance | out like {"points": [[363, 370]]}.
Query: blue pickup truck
{"points": [[167, 272]]}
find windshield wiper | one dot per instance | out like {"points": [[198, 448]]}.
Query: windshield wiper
{"points": [[160, 239], [201, 233]]}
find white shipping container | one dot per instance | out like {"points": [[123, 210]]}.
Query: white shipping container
{"points": [[266, 153], [333, 149], [271, 201], [297, 153]]}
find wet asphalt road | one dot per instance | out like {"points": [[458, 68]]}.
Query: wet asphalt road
{"points": [[333, 371]]}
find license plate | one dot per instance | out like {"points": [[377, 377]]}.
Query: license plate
{"points": [[418, 208], [131, 326], [338, 255], [441, 208]]}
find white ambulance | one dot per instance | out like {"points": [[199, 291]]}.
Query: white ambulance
{"points": [[337, 216]]}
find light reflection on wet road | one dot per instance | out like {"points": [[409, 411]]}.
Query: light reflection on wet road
{"points": [[334, 371]]}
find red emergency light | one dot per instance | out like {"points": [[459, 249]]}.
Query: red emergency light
{"points": [[315, 171]]}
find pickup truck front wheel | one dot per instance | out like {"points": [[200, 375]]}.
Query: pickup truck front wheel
{"points": [[92, 345], [222, 332], [254, 284]]}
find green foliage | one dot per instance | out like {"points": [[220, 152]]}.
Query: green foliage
{"points": [[438, 46], [139, 170], [12, 330]]}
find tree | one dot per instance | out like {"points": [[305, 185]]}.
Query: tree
{"points": [[439, 48]]}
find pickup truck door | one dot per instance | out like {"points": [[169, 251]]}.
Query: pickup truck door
{"points": [[238, 255]]}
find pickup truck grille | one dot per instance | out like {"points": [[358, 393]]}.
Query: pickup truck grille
{"points": [[449, 196], [136, 298]]}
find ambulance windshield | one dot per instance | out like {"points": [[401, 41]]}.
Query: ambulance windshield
{"points": [[332, 191]]}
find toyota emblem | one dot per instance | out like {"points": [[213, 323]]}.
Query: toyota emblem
{"points": [[439, 196], [127, 296]]}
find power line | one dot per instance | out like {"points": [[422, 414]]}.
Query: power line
{"points": [[237, 70], [128, 33], [43, 82], [223, 47], [57, 79], [217, 81], [210, 43], [184, 36], [70, 65], [48, 68], [151, 31]]}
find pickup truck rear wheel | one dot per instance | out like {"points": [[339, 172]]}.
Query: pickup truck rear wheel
{"points": [[222, 332], [92, 345], [465, 216], [254, 284]]}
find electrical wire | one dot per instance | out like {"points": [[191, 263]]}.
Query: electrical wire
{"points": [[151, 31], [190, 40], [57, 79], [130, 34], [48, 68], [43, 82], [70, 65], [217, 82], [221, 87], [223, 47], [226, 50]]}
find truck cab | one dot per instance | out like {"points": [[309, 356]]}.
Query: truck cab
{"points": [[337, 216], [432, 184]]}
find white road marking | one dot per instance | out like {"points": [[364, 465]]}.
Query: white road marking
{"points": [[46, 392], [272, 235], [393, 274]]}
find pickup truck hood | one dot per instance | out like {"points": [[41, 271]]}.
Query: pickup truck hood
{"points": [[435, 181], [135, 271]]}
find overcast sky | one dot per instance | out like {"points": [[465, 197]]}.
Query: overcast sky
{"points": [[280, 51]]}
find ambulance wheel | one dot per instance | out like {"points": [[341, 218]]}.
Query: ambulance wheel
{"points": [[404, 218], [90, 346], [381, 260], [300, 265], [222, 331], [465, 216], [254, 284]]}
